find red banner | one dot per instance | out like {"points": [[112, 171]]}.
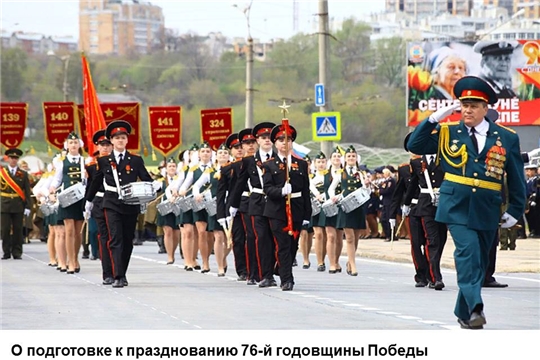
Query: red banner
{"points": [[216, 125], [165, 124], [81, 121], [93, 117], [129, 112], [59, 119], [13, 123], [430, 82]]}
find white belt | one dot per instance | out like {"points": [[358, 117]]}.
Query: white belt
{"points": [[257, 191], [424, 191], [99, 194], [296, 195], [414, 201], [245, 193], [109, 188]]}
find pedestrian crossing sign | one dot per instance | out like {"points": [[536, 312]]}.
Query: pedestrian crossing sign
{"points": [[326, 126]]}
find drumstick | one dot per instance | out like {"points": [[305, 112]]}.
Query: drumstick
{"points": [[228, 233], [400, 224], [82, 228]]}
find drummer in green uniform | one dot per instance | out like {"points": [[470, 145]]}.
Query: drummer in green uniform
{"points": [[474, 153]]}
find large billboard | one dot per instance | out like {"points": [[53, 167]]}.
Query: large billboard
{"points": [[512, 68]]}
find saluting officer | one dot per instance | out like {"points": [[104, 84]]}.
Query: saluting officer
{"points": [[15, 193], [278, 188], [227, 181], [104, 148], [118, 169], [475, 153]]}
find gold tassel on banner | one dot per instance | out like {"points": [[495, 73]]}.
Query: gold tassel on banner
{"points": [[32, 150], [145, 151], [49, 151], [154, 157]]}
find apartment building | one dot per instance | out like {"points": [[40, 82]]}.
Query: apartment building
{"points": [[120, 27], [531, 8], [423, 8], [34, 43]]}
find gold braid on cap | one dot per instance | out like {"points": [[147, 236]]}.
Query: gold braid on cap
{"points": [[445, 150]]}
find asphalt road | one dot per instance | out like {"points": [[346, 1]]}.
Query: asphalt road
{"points": [[165, 297]]}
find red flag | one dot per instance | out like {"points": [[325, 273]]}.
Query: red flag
{"points": [[93, 115]]}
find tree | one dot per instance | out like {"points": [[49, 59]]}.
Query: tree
{"points": [[352, 48], [390, 60], [13, 67]]}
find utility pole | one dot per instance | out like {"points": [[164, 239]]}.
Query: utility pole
{"points": [[65, 65], [324, 72], [249, 68]]}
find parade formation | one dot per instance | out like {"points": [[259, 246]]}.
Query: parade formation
{"points": [[252, 196]]}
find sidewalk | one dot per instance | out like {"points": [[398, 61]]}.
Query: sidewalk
{"points": [[526, 257]]}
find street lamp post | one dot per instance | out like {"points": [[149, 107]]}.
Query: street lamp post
{"points": [[249, 69], [324, 70], [65, 64]]}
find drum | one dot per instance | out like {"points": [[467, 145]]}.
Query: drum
{"points": [[138, 193], [201, 205], [355, 199], [48, 208], [71, 195], [210, 204], [185, 203], [315, 207], [330, 209], [166, 207]]}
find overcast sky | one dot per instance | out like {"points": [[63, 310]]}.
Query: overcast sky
{"points": [[268, 19]]}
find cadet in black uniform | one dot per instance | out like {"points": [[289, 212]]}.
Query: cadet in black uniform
{"points": [[278, 189], [15, 193], [121, 218], [104, 147]]}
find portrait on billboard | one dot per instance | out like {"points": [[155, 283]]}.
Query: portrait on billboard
{"points": [[512, 68]]}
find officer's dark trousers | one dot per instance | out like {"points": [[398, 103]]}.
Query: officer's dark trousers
{"points": [[471, 260], [103, 237], [121, 231], [284, 243], [436, 234], [239, 246], [12, 243], [418, 240], [265, 247], [251, 248]]}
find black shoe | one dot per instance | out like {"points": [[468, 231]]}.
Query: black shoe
{"points": [[69, 272], [439, 285], [108, 281], [6, 257], [221, 274], [53, 265], [118, 283], [420, 284], [170, 262], [17, 258], [266, 283], [93, 257], [464, 324], [477, 320], [204, 271], [124, 281], [242, 277], [251, 282], [494, 284], [77, 270], [225, 270], [431, 285], [197, 267], [288, 286], [188, 268], [137, 242], [321, 268], [306, 266], [294, 263], [85, 256], [332, 271], [63, 270]]}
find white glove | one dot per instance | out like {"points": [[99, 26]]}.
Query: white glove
{"points": [[533, 204], [392, 223], [86, 214], [222, 222], [443, 113], [305, 222], [405, 210], [88, 206], [233, 211], [156, 185], [26, 212], [507, 221], [286, 190]]}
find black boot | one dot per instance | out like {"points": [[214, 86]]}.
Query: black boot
{"points": [[137, 240], [161, 245]]}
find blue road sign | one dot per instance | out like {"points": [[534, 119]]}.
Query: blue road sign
{"points": [[319, 95]]}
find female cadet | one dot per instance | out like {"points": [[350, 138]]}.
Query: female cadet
{"points": [[169, 223], [317, 189], [209, 181], [41, 192], [306, 234], [200, 218], [353, 222], [71, 171], [334, 235]]}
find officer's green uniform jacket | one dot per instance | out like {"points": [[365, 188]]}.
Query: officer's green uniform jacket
{"points": [[473, 198]]}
